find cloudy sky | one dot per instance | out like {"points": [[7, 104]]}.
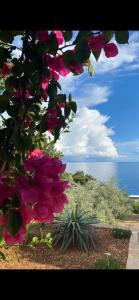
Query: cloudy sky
{"points": [[107, 122]]}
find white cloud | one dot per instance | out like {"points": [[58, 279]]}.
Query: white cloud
{"points": [[89, 136], [93, 94], [68, 83]]}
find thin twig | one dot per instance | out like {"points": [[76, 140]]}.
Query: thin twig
{"points": [[3, 43]]}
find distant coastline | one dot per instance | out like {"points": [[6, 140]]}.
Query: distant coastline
{"points": [[124, 174]]}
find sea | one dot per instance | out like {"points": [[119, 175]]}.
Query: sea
{"points": [[124, 174]]}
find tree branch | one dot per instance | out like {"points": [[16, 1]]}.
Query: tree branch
{"points": [[10, 45]]}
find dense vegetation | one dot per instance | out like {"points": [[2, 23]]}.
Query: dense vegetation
{"points": [[104, 200]]}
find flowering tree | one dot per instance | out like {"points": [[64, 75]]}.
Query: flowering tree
{"points": [[30, 184]]}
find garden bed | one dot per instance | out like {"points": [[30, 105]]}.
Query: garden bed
{"points": [[43, 257]]}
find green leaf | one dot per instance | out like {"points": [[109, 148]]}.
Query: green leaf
{"points": [[52, 45], [90, 68], [67, 111], [82, 51], [73, 106], [108, 35], [61, 97], [4, 102], [56, 134], [4, 54], [11, 83], [52, 90], [97, 54], [14, 222], [15, 200], [67, 35], [69, 56], [81, 35], [17, 69], [6, 36], [122, 37], [2, 255], [70, 98], [58, 85]]}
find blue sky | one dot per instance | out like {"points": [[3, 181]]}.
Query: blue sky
{"points": [[107, 122]]}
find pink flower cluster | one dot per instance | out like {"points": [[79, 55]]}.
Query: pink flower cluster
{"points": [[52, 118], [97, 43], [6, 69], [41, 193], [57, 65], [44, 36], [18, 94]]}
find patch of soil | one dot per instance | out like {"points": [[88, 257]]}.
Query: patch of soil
{"points": [[45, 258], [130, 222]]}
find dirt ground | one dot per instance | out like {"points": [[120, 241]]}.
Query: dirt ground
{"points": [[130, 223], [45, 258]]}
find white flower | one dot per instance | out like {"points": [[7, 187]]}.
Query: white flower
{"points": [[108, 254]]}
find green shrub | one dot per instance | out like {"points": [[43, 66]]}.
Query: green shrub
{"points": [[104, 200], [80, 177], [107, 263], [76, 230], [121, 233], [135, 207], [43, 238]]}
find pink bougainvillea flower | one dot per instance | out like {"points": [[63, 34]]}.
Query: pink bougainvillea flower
{"points": [[52, 118], [18, 238], [61, 104], [45, 83], [17, 94], [53, 123], [27, 122], [57, 64], [35, 153], [96, 43], [42, 35], [76, 67], [53, 74], [5, 70], [110, 50], [27, 94], [59, 36], [40, 192]]}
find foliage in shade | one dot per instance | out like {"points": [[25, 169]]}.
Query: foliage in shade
{"points": [[108, 263], [121, 233], [135, 207]]}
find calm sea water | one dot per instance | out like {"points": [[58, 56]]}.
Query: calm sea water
{"points": [[125, 173]]}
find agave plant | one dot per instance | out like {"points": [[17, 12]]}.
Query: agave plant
{"points": [[75, 229]]}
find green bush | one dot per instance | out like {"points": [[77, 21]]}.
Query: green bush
{"points": [[104, 200], [135, 207], [107, 263], [80, 177], [43, 238], [121, 233], [75, 230]]}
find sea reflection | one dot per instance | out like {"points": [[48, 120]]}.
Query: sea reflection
{"points": [[126, 174]]}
